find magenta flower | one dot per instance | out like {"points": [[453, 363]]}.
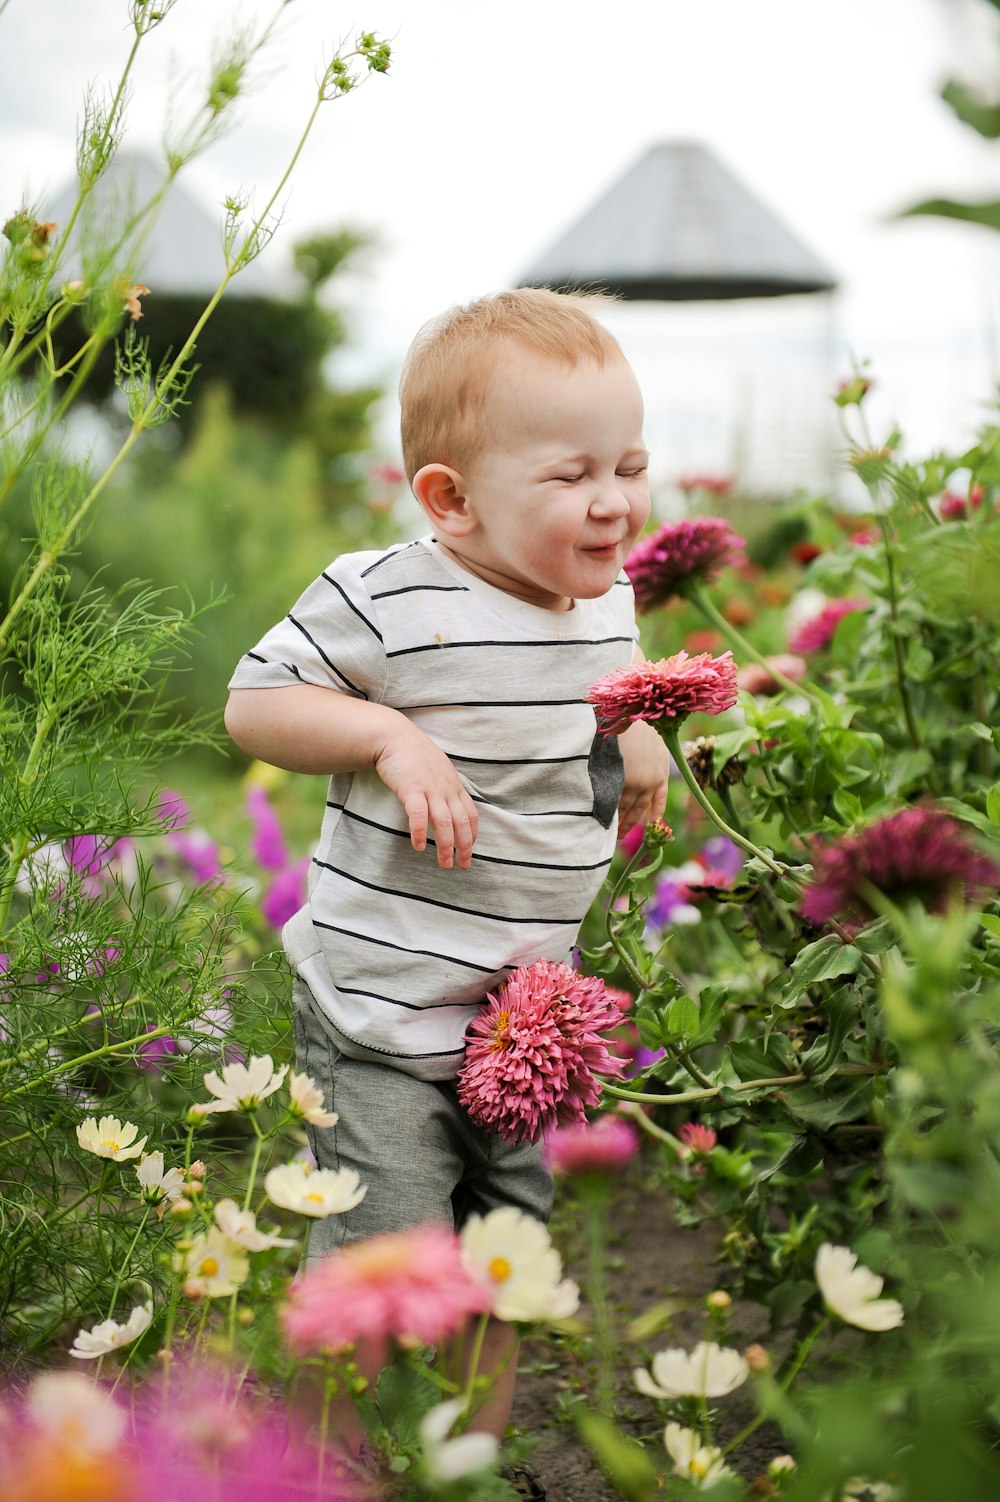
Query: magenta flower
{"points": [[172, 810], [917, 854], [816, 634], [667, 690], [286, 894], [680, 555], [697, 1138], [405, 1286], [601, 1146], [534, 1049], [153, 1055], [953, 507], [199, 853], [268, 842]]}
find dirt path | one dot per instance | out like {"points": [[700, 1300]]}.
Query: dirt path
{"points": [[651, 1260]]}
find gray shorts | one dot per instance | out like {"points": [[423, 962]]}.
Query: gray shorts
{"points": [[410, 1141]]}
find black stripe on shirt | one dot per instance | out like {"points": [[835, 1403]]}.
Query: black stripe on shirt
{"points": [[489, 860], [411, 1006], [489, 704], [439, 646], [430, 954], [257, 657], [514, 761], [395, 553], [331, 665], [351, 605], [410, 589], [452, 907]]}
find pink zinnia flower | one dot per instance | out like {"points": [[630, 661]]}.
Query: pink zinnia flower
{"points": [[200, 854], [814, 635], [755, 679], [697, 1138], [680, 554], [918, 853], [601, 1146], [534, 1050], [172, 810], [405, 1286], [670, 689]]}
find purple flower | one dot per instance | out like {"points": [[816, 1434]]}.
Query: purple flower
{"points": [[173, 810], [917, 854], [152, 1055], [679, 555], [268, 842], [720, 854], [286, 894], [199, 853]]}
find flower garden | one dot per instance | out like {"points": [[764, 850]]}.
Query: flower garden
{"points": [[780, 1023]]}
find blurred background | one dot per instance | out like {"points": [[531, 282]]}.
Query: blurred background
{"points": [[780, 140]]}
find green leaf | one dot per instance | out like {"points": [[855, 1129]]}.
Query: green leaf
{"points": [[966, 812], [878, 938], [622, 1459], [991, 923], [821, 960], [826, 1110], [751, 1060], [993, 804], [983, 116], [681, 1018], [987, 213]]}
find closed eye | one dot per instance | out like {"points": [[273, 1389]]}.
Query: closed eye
{"points": [[631, 474]]}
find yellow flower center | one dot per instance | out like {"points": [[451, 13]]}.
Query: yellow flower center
{"points": [[111, 1144], [698, 1468], [208, 1267], [501, 1033], [317, 1199], [499, 1269]]}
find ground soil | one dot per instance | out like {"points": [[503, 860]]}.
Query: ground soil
{"points": [[651, 1259]]}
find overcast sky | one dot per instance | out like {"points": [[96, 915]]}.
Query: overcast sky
{"points": [[499, 124]]}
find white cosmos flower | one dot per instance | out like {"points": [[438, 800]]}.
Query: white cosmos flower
{"points": [[852, 1292], [74, 1414], [314, 1191], [110, 1138], [449, 1459], [111, 1336], [710, 1371], [155, 1185], [307, 1101], [513, 1256], [240, 1226], [242, 1087], [702, 1464], [214, 1266]]}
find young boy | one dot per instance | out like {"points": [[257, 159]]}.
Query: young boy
{"points": [[472, 808]]}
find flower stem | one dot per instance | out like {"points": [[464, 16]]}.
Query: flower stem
{"points": [[123, 1268], [777, 1081], [597, 1288], [671, 737], [474, 1360], [698, 597]]}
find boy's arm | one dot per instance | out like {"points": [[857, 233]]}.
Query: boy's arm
{"points": [[308, 728]]}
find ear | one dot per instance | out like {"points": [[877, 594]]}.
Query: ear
{"points": [[441, 493]]}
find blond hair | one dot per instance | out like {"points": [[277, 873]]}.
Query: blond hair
{"points": [[451, 363]]}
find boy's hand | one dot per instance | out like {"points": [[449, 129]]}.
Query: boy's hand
{"points": [[647, 768], [429, 788]]}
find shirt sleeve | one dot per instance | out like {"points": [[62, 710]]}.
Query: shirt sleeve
{"points": [[330, 637]]}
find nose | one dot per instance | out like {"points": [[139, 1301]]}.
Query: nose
{"points": [[610, 502]]}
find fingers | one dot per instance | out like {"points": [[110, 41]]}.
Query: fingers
{"points": [[453, 821]]}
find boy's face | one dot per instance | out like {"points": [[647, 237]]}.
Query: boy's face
{"points": [[560, 492]]}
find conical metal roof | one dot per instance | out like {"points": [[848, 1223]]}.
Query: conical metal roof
{"points": [[183, 255], [679, 226]]}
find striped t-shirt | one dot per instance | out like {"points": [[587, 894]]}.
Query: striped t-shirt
{"points": [[398, 953]]}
